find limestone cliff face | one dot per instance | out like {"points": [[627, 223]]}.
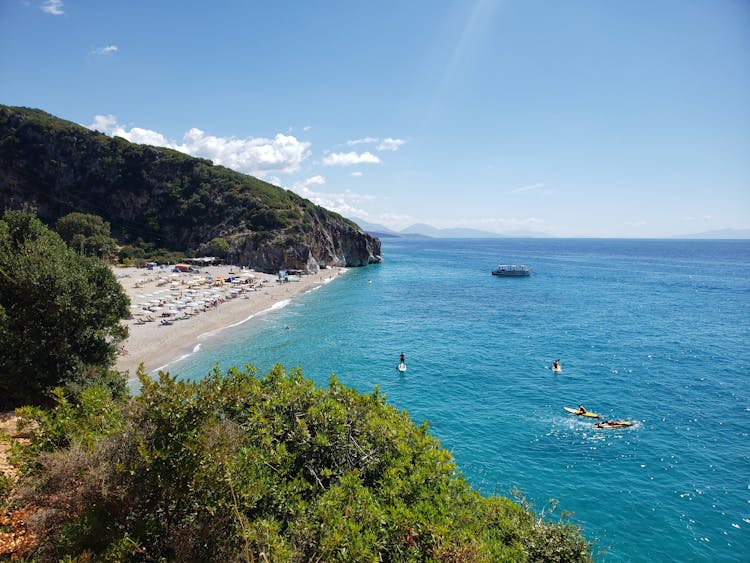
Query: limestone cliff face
{"points": [[167, 198], [329, 243]]}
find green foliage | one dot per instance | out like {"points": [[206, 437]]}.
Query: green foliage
{"points": [[236, 467], [87, 235], [59, 312], [161, 196], [219, 247]]}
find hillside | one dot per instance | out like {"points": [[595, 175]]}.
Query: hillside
{"points": [[167, 198]]}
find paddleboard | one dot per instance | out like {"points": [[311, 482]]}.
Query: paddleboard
{"points": [[401, 367], [586, 414]]}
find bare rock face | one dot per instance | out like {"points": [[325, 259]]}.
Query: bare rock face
{"points": [[327, 243]]}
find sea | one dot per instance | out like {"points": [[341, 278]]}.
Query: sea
{"points": [[656, 332]]}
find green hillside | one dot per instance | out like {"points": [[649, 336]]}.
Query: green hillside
{"points": [[167, 198]]}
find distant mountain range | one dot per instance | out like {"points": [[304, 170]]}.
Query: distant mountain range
{"points": [[720, 234], [423, 230]]}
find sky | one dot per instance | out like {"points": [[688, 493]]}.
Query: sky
{"points": [[568, 118]]}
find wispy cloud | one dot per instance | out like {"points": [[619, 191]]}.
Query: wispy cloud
{"points": [[529, 188], [390, 144], [346, 203], [387, 144], [54, 7], [362, 141], [357, 174], [106, 50], [350, 159], [253, 155]]}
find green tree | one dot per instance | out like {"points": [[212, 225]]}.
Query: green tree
{"points": [[87, 234], [60, 312], [219, 247]]}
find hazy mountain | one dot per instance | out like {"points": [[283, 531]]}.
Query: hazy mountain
{"points": [[374, 227], [720, 234]]}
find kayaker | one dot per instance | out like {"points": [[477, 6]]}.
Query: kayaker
{"points": [[581, 410], [401, 358]]}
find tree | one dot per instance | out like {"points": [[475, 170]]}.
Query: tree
{"points": [[87, 234], [219, 247], [60, 312]]}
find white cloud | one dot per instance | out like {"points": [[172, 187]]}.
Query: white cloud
{"points": [[314, 181], [257, 156], [306, 128], [528, 188], [346, 203], [108, 124], [389, 144], [107, 50], [362, 141], [357, 174], [350, 159], [54, 7]]}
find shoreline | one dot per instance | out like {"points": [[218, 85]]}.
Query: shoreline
{"points": [[197, 307]]}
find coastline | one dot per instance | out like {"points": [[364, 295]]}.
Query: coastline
{"points": [[205, 304]]}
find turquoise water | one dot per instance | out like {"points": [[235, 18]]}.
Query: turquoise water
{"points": [[653, 331]]}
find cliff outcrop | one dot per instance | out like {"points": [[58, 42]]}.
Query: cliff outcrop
{"points": [[167, 198]]}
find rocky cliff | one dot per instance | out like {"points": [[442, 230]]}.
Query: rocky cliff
{"points": [[168, 198]]}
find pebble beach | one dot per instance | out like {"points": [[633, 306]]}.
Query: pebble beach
{"points": [[172, 312]]}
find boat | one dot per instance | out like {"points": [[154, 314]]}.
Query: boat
{"points": [[401, 367], [587, 414], [511, 270], [613, 424]]}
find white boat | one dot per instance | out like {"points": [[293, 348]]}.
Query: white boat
{"points": [[511, 270]]}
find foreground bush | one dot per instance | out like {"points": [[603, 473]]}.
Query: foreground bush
{"points": [[236, 467]]}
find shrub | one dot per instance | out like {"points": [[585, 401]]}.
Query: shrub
{"points": [[239, 467]]}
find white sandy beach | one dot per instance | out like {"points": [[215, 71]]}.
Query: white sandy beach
{"points": [[198, 307]]}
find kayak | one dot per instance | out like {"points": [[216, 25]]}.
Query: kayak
{"points": [[402, 367], [614, 424], [578, 413]]}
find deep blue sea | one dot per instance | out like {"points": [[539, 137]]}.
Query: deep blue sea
{"points": [[654, 331]]}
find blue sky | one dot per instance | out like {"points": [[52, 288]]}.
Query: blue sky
{"points": [[572, 118]]}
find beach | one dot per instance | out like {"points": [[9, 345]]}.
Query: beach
{"points": [[172, 312]]}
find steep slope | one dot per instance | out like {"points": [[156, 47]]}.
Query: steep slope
{"points": [[168, 198]]}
